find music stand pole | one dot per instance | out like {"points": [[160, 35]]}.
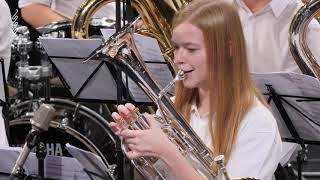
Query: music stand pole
{"points": [[119, 154], [283, 113]]}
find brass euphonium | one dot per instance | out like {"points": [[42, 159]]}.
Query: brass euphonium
{"points": [[121, 51], [156, 17], [297, 39]]}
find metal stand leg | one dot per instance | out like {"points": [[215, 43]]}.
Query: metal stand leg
{"points": [[302, 154], [41, 154]]}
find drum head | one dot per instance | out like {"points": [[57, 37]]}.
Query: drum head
{"points": [[74, 124]]}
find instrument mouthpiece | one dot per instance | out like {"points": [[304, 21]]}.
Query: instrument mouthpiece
{"points": [[180, 75]]}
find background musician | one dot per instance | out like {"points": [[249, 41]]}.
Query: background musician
{"points": [[266, 26], [49, 11], [6, 37]]}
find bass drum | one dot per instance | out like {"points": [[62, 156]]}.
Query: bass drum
{"points": [[75, 124]]}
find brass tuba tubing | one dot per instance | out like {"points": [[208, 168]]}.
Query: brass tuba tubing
{"points": [[297, 39]]}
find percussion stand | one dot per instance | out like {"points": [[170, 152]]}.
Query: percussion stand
{"points": [[31, 141], [23, 46], [279, 102], [41, 153]]}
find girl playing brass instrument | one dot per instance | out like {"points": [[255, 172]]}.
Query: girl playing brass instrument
{"points": [[217, 97]]}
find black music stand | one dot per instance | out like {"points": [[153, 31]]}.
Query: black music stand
{"points": [[95, 80], [295, 102]]}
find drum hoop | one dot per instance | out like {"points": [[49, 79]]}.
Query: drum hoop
{"points": [[74, 133]]}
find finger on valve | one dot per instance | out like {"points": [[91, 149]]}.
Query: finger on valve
{"points": [[119, 120], [136, 117], [115, 127], [127, 115]]}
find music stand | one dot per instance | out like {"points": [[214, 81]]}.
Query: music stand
{"points": [[295, 102], [95, 80]]}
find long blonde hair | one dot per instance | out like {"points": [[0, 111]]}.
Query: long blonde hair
{"points": [[232, 92]]}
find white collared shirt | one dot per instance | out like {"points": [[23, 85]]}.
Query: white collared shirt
{"points": [[6, 37], [68, 8], [266, 32], [257, 151]]}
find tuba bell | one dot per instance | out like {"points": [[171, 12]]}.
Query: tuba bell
{"points": [[156, 17], [297, 39]]}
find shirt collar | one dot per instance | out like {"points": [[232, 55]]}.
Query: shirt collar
{"points": [[277, 6], [195, 111]]}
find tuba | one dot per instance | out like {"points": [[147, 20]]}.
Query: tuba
{"points": [[297, 39], [155, 14]]}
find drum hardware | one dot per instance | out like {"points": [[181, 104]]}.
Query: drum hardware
{"points": [[55, 29], [72, 120], [62, 29], [73, 123], [40, 123], [41, 154], [30, 77]]}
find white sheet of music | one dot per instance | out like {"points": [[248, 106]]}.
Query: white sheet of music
{"points": [[295, 85], [91, 162], [56, 167], [151, 54], [161, 74]]}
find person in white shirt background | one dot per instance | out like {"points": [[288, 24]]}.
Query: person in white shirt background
{"points": [[218, 98], [6, 38], [49, 11], [266, 29]]}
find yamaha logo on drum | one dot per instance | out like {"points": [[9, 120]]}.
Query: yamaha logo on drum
{"points": [[53, 149]]}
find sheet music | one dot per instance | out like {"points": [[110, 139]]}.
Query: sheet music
{"points": [[160, 73], [66, 47], [91, 162], [295, 85], [56, 167]]}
